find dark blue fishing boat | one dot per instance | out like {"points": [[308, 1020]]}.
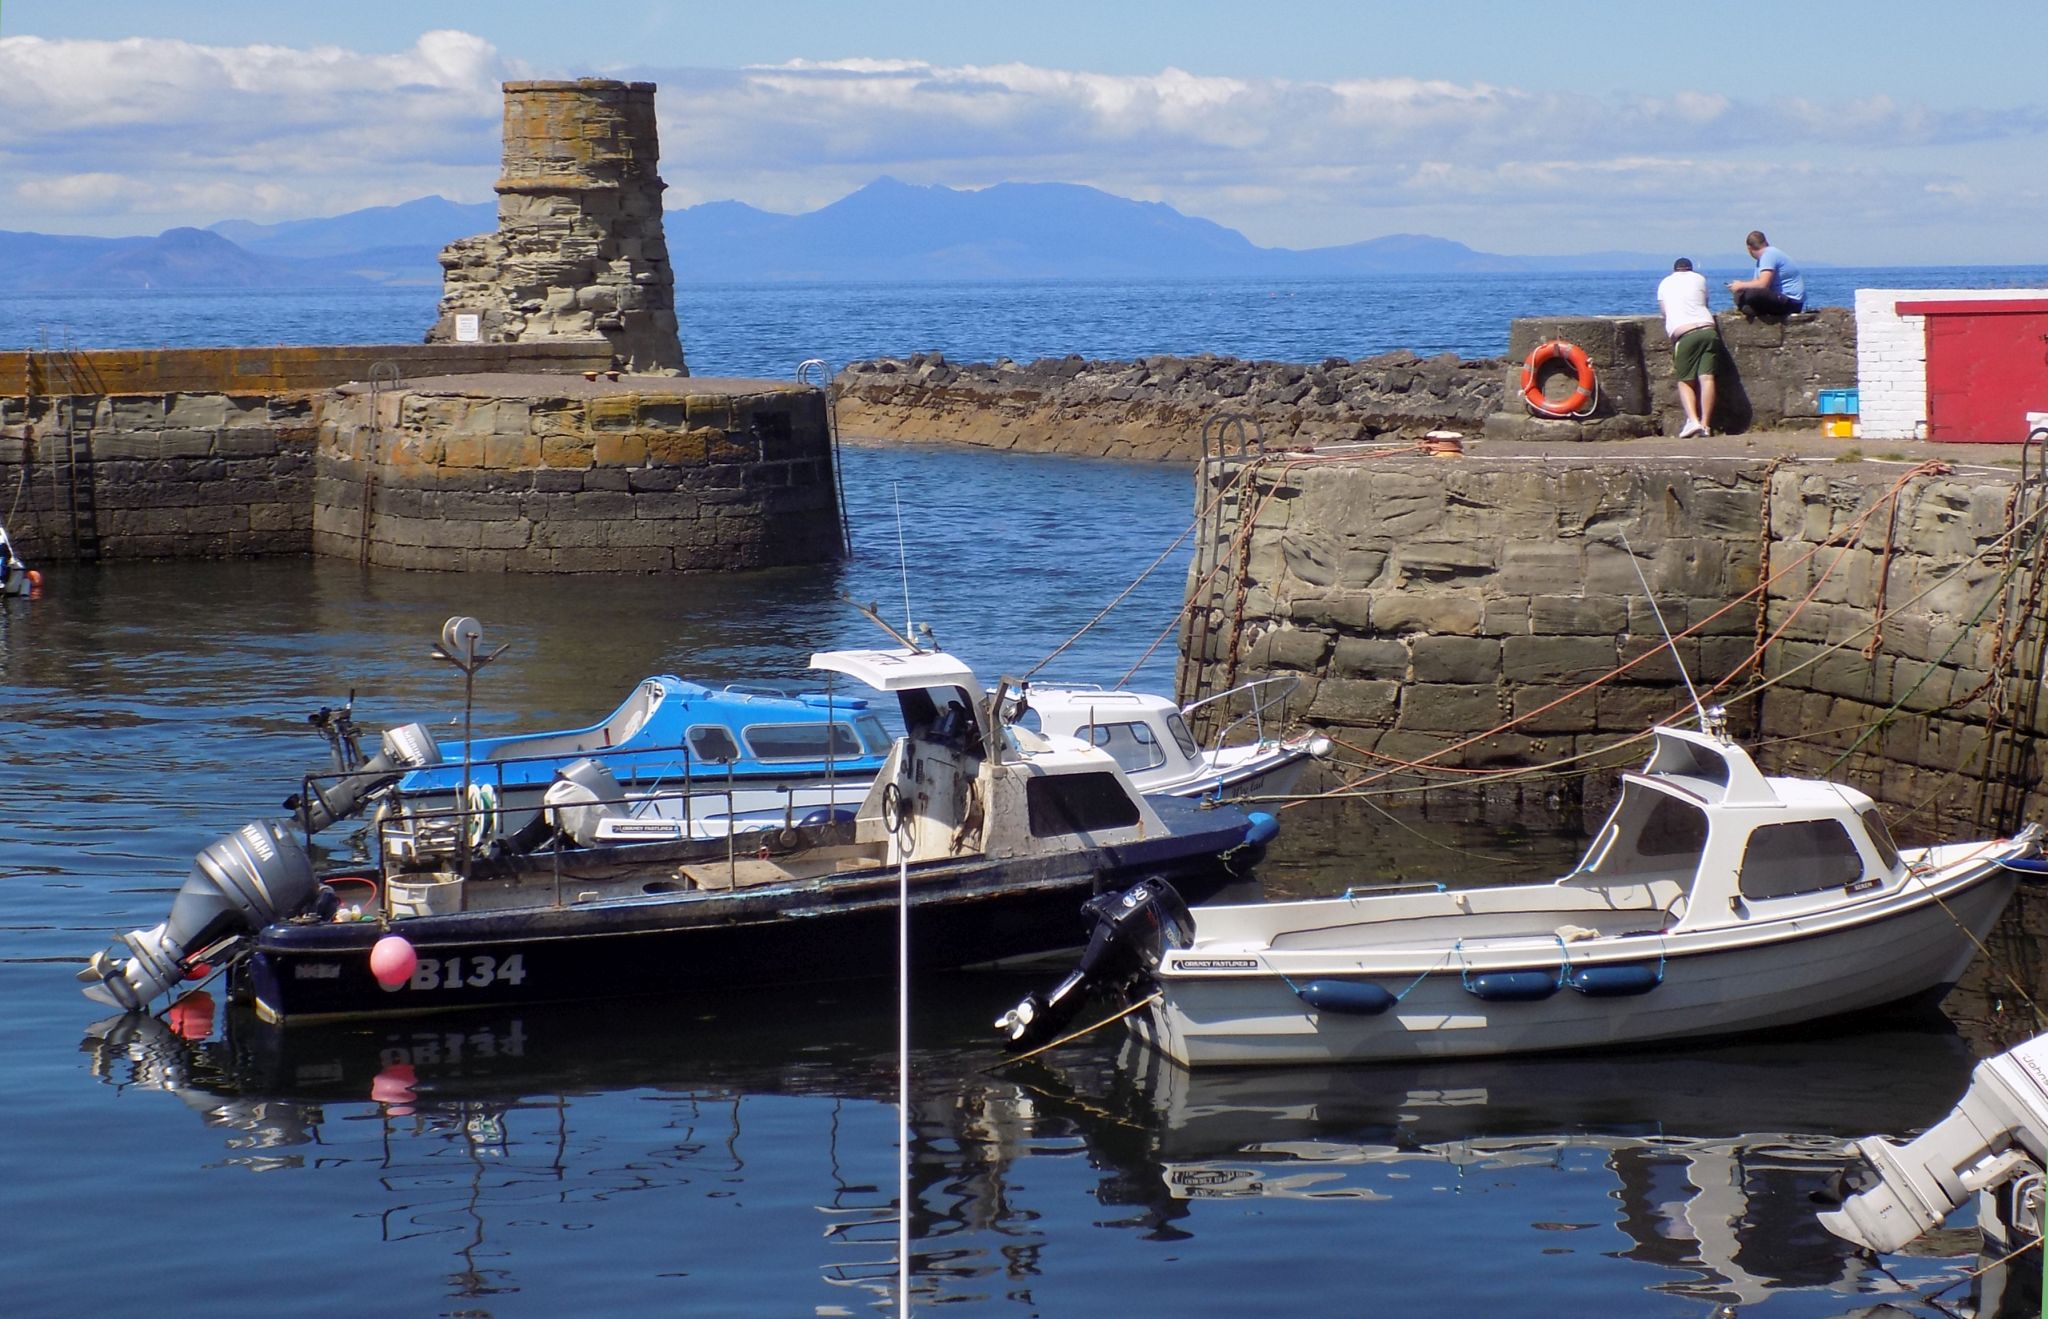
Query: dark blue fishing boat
{"points": [[996, 833]]}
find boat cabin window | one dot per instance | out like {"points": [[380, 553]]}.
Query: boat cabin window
{"points": [[1803, 856], [1134, 745], [801, 741], [1880, 837], [1650, 833], [1060, 804], [713, 744], [1179, 728]]}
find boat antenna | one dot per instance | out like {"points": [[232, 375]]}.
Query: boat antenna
{"points": [[1669, 640], [903, 560], [874, 615]]}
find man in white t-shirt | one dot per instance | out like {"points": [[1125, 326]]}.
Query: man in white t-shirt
{"points": [[1695, 344]]}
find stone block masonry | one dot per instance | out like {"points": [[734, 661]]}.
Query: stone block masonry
{"points": [[194, 452], [558, 474], [1481, 603], [579, 254]]}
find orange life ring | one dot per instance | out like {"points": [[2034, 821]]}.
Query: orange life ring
{"points": [[1580, 401]]}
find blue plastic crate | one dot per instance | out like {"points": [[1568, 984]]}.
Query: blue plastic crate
{"points": [[1838, 403]]}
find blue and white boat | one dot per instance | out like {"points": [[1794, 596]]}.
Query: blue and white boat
{"points": [[669, 737], [690, 761]]}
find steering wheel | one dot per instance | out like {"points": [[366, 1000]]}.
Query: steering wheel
{"points": [[892, 807]]}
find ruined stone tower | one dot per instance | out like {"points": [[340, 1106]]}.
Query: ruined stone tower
{"points": [[579, 252]]}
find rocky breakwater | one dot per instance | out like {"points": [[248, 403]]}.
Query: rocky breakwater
{"points": [[553, 473], [1868, 620], [1161, 408]]}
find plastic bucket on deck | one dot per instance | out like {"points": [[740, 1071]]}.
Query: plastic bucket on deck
{"points": [[438, 894]]}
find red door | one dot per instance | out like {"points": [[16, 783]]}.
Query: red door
{"points": [[1987, 367]]}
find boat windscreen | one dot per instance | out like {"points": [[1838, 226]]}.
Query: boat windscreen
{"points": [[1650, 833], [1133, 745]]}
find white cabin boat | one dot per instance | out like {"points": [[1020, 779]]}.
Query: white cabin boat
{"points": [[1714, 900]]}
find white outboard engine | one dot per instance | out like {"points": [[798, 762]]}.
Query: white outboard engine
{"points": [[583, 796], [1133, 931], [238, 885], [1998, 1131], [406, 748]]}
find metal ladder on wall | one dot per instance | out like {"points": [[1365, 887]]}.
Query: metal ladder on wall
{"points": [[74, 404], [1212, 539], [817, 373]]}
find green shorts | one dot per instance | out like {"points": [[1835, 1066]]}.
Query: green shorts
{"points": [[1697, 353]]}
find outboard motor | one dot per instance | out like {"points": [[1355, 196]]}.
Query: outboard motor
{"points": [[1998, 1131], [583, 795], [406, 748], [238, 884], [1133, 932]]}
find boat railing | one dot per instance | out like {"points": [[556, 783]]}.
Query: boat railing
{"points": [[1260, 695]]}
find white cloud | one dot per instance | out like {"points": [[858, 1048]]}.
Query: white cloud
{"points": [[120, 135]]}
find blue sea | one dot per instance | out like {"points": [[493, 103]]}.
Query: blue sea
{"points": [[765, 330], [737, 1155]]}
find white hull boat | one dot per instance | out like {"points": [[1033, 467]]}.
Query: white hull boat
{"points": [[1713, 901]]}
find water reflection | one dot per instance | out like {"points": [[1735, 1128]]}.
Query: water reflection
{"points": [[483, 1136]]}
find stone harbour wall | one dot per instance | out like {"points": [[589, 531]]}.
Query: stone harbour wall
{"points": [[191, 452], [558, 474], [183, 475], [1771, 374], [1169, 408], [1424, 601]]}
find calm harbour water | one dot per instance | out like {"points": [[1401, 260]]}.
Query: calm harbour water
{"points": [[738, 1156]]}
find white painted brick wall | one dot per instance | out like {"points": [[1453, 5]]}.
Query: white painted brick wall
{"points": [[1891, 358]]}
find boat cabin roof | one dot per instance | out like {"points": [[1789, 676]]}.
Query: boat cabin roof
{"points": [[897, 670], [1717, 771]]}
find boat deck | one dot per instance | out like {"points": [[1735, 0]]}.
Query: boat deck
{"points": [[1471, 930]]}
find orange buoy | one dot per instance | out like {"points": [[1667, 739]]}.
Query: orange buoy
{"points": [[1576, 404]]}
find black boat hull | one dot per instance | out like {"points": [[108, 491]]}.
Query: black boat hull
{"points": [[840, 927]]}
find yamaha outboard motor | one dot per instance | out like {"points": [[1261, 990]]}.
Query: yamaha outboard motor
{"points": [[238, 884], [1133, 931], [406, 748]]}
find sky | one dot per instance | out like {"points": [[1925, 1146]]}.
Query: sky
{"points": [[1872, 133]]}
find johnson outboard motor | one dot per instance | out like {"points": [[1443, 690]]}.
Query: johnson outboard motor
{"points": [[1133, 930], [583, 796], [238, 884], [405, 749]]}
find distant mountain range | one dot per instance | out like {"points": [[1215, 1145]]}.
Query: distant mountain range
{"points": [[886, 231]]}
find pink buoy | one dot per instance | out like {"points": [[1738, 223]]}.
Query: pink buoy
{"points": [[392, 960], [395, 1088]]}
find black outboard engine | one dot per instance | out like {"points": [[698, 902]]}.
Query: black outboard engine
{"points": [[406, 748], [1133, 931], [238, 885]]}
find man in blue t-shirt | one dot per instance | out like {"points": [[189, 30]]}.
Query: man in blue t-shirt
{"points": [[1776, 289]]}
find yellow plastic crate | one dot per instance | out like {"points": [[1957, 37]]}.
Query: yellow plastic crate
{"points": [[1838, 428]]}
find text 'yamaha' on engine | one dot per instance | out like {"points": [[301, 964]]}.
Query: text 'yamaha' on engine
{"points": [[240, 883]]}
